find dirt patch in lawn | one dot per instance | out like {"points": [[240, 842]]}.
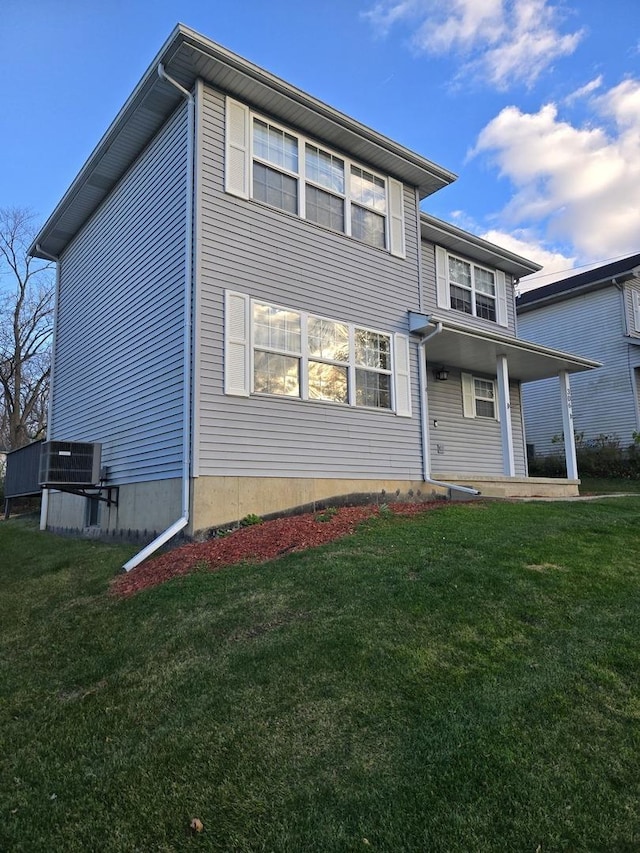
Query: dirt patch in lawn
{"points": [[257, 543]]}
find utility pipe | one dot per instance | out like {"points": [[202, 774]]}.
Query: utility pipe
{"points": [[424, 417], [182, 522], [44, 502]]}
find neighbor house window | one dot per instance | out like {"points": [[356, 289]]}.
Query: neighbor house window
{"points": [[286, 170], [472, 289], [275, 350], [479, 398]]}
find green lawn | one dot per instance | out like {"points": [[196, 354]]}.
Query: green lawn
{"points": [[467, 680]]}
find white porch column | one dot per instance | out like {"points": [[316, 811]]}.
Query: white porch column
{"points": [[504, 404], [567, 425]]}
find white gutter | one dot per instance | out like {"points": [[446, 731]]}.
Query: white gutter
{"points": [[424, 417], [44, 503], [182, 522]]}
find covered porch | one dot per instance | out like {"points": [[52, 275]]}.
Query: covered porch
{"points": [[471, 412]]}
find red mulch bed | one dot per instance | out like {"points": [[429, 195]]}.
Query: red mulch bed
{"points": [[257, 544]]}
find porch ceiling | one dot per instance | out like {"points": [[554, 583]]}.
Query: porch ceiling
{"points": [[478, 350]]}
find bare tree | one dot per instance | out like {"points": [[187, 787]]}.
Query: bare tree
{"points": [[26, 321]]}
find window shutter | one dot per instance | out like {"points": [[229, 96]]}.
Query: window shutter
{"points": [[403, 378], [236, 344], [442, 278], [396, 218], [236, 167], [468, 396], [635, 299], [501, 298]]}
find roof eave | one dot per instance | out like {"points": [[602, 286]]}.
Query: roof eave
{"points": [[527, 302], [456, 239], [187, 55]]}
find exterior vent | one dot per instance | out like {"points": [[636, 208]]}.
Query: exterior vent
{"points": [[70, 463]]}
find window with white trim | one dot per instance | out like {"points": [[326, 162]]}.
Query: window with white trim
{"points": [[271, 349], [635, 310], [286, 170], [465, 286], [479, 399], [472, 288]]}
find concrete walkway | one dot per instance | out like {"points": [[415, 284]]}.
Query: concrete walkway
{"points": [[576, 497]]}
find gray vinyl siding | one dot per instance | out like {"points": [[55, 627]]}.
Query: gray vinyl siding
{"points": [[604, 402], [469, 445], [248, 247], [119, 339], [430, 297]]}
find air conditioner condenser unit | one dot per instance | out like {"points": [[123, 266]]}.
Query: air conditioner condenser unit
{"points": [[70, 463]]}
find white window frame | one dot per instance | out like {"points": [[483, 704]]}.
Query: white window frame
{"points": [[239, 178], [241, 347], [444, 285], [472, 289], [635, 310], [302, 179], [470, 397], [304, 358]]}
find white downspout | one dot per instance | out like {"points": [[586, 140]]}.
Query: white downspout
{"points": [[44, 502], [424, 418], [182, 522]]}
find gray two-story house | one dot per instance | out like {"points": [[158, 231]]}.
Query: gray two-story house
{"points": [[597, 314], [253, 314]]}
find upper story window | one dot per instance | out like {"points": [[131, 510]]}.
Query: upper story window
{"points": [[271, 349], [471, 289], [288, 171]]}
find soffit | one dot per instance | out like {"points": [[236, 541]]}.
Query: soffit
{"points": [[477, 352], [186, 57]]}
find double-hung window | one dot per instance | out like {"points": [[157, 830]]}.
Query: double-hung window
{"points": [[274, 350], [479, 398], [471, 289], [288, 171], [325, 188], [277, 337]]}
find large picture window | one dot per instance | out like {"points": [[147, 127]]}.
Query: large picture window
{"points": [[275, 350], [342, 363], [288, 171]]}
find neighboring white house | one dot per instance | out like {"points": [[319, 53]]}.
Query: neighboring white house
{"points": [[253, 314], [596, 314]]}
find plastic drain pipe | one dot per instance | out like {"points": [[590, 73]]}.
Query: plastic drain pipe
{"points": [[424, 415], [182, 522]]}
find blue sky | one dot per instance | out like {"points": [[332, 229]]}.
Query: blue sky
{"points": [[535, 104]]}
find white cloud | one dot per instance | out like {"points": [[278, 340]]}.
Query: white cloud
{"points": [[585, 90], [554, 263], [580, 184], [503, 41]]}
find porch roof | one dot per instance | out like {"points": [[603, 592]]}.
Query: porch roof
{"points": [[477, 350]]}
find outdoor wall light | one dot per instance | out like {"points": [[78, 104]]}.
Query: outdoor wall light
{"points": [[441, 374]]}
